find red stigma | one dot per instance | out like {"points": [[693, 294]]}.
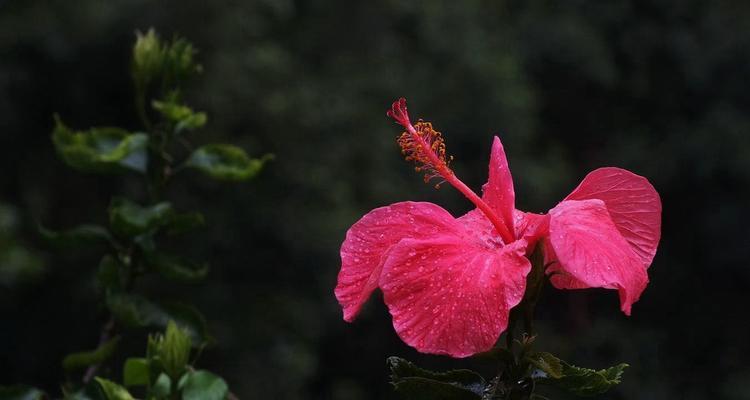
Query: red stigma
{"points": [[398, 112]]}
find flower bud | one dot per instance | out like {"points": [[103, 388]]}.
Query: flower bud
{"points": [[148, 56]]}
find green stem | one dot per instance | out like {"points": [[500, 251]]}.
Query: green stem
{"points": [[509, 332], [511, 374], [106, 334], [140, 105], [534, 285], [155, 179], [108, 330]]}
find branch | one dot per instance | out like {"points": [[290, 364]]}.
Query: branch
{"points": [[104, 337]]}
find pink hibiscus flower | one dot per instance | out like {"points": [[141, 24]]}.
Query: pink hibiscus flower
{"points": [[450, 283]]}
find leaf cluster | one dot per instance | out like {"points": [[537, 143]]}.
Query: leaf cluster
{"points": [[164, 373], [517, 379], [131, 240]]}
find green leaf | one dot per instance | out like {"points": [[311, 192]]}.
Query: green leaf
{"points": [[547, 363], [108, 276], [18, 263], [415, 383], [183, 380], [135, 372], [85, 358], [226, 162], [162, 386], [182, 116], [185, 222], [101, 150], [577, 380], [20, 392], [81, 235], [177, 268], [113, 391], [203, 385], [130, 219], [137, 311]]}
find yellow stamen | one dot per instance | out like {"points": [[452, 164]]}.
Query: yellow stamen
{"points": [[429, 156]]}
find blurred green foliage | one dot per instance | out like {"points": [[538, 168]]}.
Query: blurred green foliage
{"points": [[659, 87], [18, 263], [134, 230]]}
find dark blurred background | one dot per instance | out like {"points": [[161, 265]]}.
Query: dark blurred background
{"points": [[659, 87]]}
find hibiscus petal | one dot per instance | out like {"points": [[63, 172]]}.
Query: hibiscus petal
{"points": [[479, 229], [559, 277], [498, 192], [368, 240], [449, 296], [530, 227], [592, 252], [633, 205]]}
